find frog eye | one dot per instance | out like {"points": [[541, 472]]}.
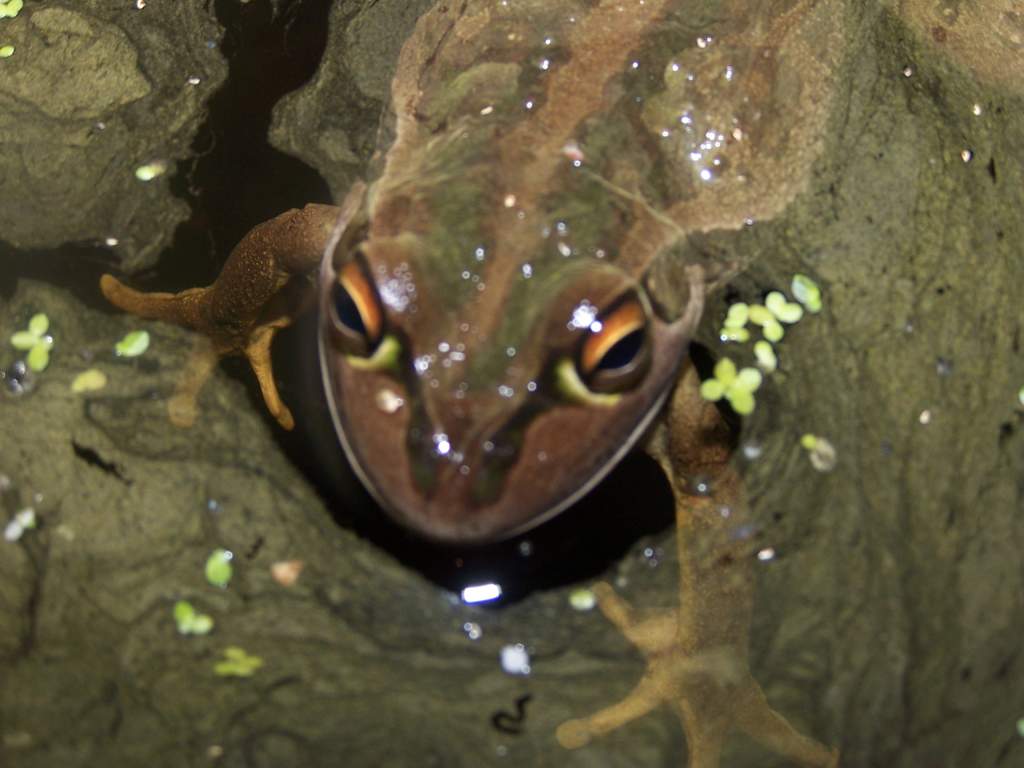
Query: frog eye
{"points": [[615, 352], [356, 311]]}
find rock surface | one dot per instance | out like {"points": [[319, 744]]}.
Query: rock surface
{"points": [[888, 623]]}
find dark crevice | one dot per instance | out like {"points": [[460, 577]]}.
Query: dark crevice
{"points": [[93, 459], [233, 178]]}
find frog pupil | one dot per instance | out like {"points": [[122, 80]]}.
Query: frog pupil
{"points": [[622, 352], [347, 312]]}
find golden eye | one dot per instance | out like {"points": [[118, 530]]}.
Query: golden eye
{"points": [[615, 353], [356, 311]]}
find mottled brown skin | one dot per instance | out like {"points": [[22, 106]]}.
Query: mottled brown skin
{"points": [[697, 656], [242, 310]]}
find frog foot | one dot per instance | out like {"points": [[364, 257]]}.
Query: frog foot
{"points": [[712, 692], [192, 309]]}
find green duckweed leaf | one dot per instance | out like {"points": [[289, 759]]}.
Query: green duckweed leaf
{"points": [[741, 400], [11, 8], [582, 599], [785, 311], [765, 354], [133, 344], [38, 324], [89, 381], [725, 371], [748, 379], [737, 316], [218, 567], [807, 292], [38, 357], [24, 340], [237, 663], [712, 390], [150, 171], [773, 331], [760, 314], [183, 613], [730, 333]]}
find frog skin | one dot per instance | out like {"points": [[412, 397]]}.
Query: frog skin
{"points": [[506, 309]]}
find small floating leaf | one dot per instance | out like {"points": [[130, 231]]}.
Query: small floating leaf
{"points": [[765, 354], [748, 379], [38, 324], [820, 451], [89, 381], [38, 357], [731, 333], [6, 51], [737, 316], [712, 390], [741, 400], [786, 311], [725, 371], [807, 292], [773, 330], [237, 663], [218, 567], [132, 345], [11, 8], [24, 340], [150, 171], [582, 599], [190, 621]]}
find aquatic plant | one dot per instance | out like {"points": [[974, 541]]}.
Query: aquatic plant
{"points": [[237, 663], [22, 521], [89, 381], [806, 292], [10, 8], [737, 387], [820, 452], [190, 621], [36, 341], [133, 344], [218, 567]]}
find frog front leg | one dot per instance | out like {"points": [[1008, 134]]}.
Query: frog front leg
{"points": [[253, 297], [697, 655]]}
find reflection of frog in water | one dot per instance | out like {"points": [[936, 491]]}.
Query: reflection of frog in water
{"points": [[506, 310]]}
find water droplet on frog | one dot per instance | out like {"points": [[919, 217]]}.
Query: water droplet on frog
{"points": [[752, 450], [699, 485], [213, 506], [389, 401], [943, 366]]}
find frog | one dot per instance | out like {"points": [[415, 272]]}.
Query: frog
{"points": [[505, 309]]}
